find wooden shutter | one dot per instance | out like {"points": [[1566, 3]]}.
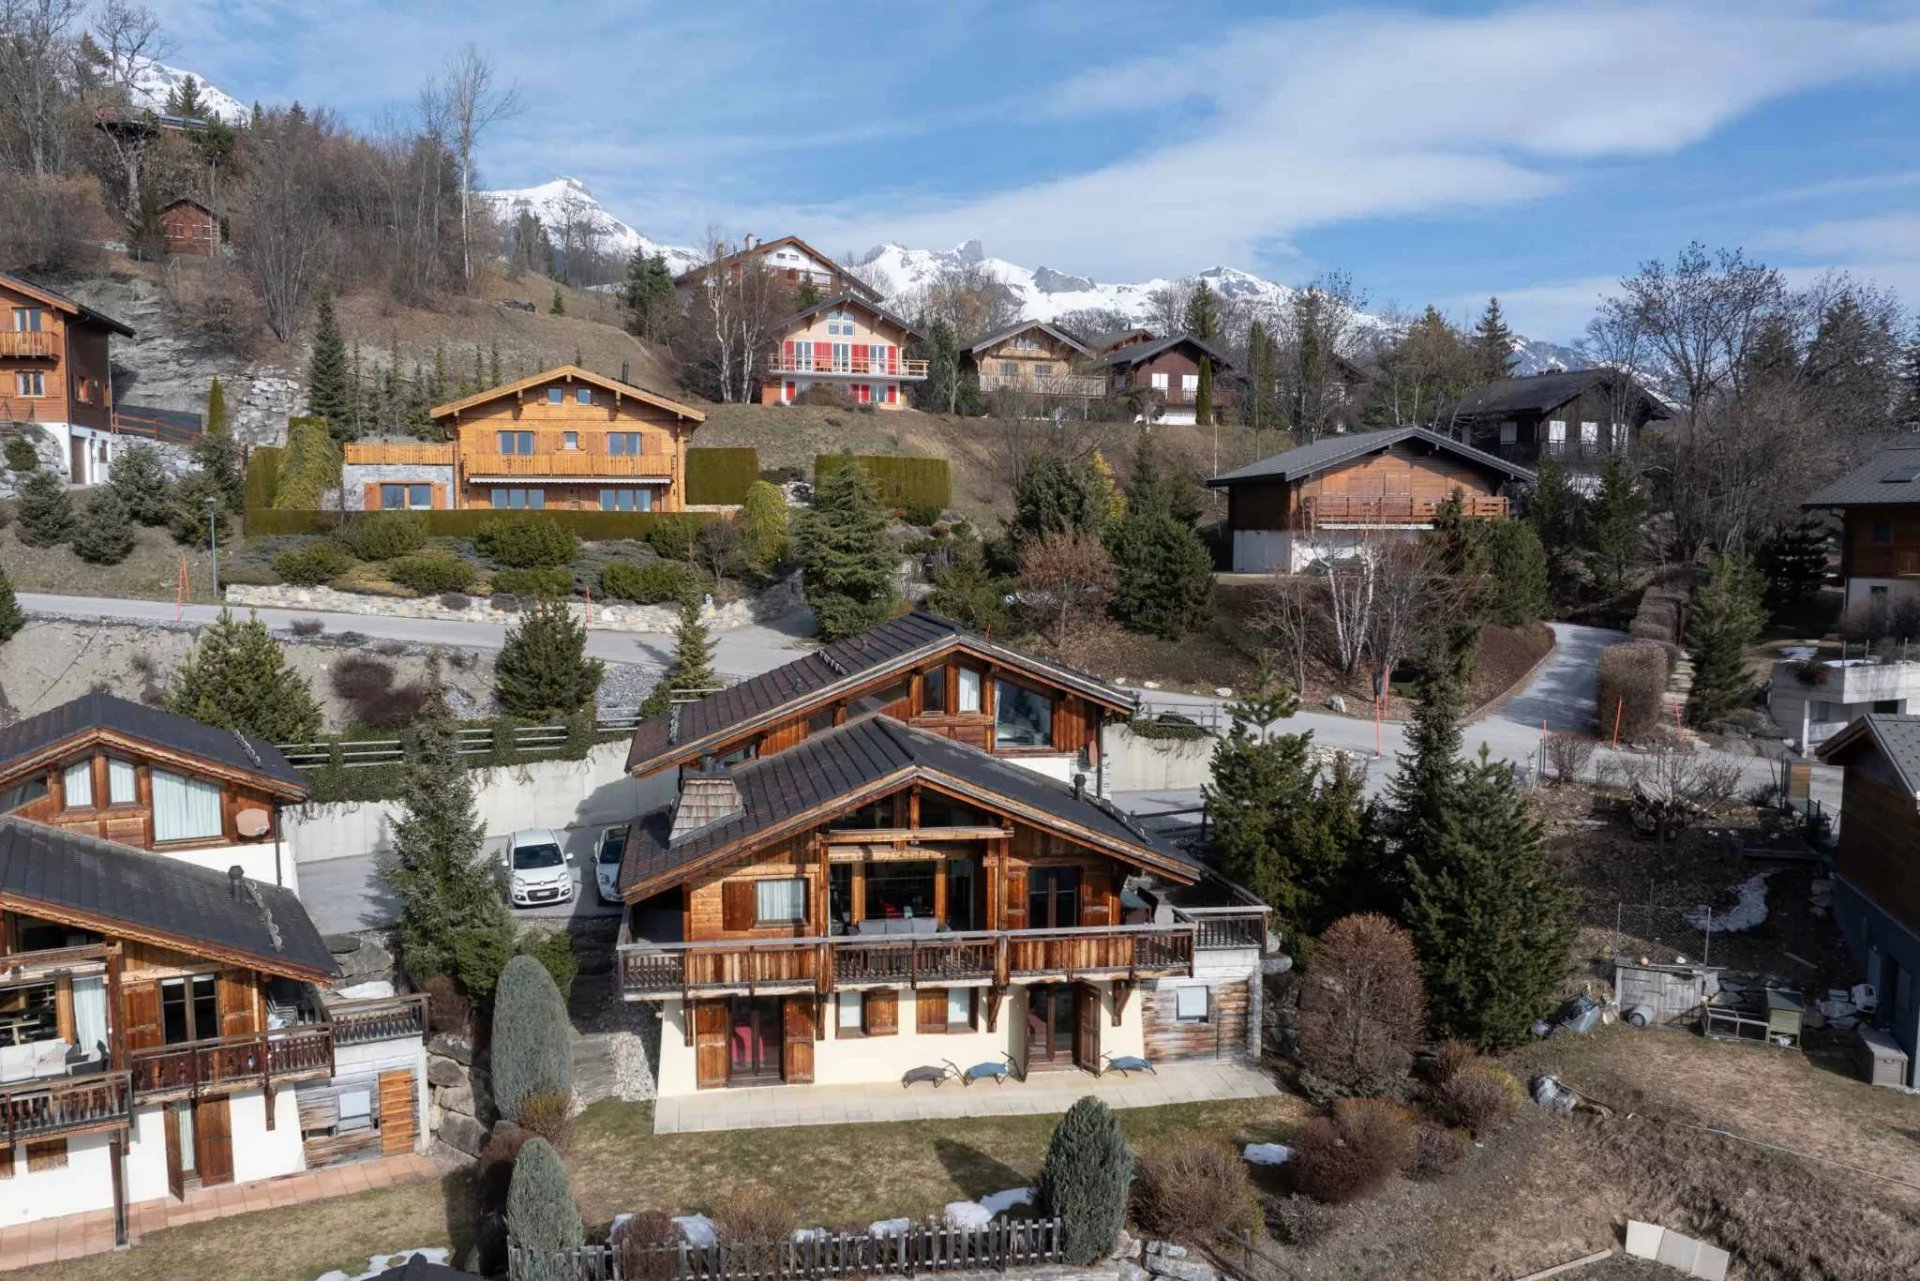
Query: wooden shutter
{"points": [[176, 1174], [931, 1014], [737, 906], [823, 355], [709, 1043], [397, 1126], [370, 500], [213, 1141], [236, 995], [786, 349], [142, 1002], [881, 1016], [797, 1029], [437, 497], [1086, 1040], [1013, 903], [1096, 897]]}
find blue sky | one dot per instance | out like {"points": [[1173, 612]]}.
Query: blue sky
{"points": [[1437, 153]]}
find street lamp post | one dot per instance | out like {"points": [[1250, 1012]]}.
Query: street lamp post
{"points": [[213, 542]]}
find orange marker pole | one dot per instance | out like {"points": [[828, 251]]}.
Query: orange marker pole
{"points": [[1619, 709], [589, 591], [180, 590]]}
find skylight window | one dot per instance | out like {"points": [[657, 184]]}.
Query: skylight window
{"points": [[1902, 475]]}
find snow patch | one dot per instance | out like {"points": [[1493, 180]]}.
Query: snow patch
{"points": [[698, 1229], [371, 990], [378, 1263], [1266, 1154], [154, 82], [1001, 1202], [1749, 909], [890, 1227]]}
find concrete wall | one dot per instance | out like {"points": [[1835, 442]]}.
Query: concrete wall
{"points": [[1136, 764], [268, 862], [1860, 589], [1889, 954]]}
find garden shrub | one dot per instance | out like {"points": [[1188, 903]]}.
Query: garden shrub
{"points": [[650, 583], [448, 1009], [1085, 1179], [672, 538], [384, 535], [756, 1212], [1480, 1099], [531, 1049], [1628, 683], [365, 685], [554, 950], [1362, 1006], [316, 563], [903, 483], [1452, 1057], [1439, 1152], [455, 600], [1192, 1189], [721, 475], [496, 1162], [1355, 1152], [46, 510], [541, 583], [923, 514], [21, 454], [542, 1216], [527, 542], [549, 1114], [432, 573], [309, 467], [763, 525], [1301, 1221], [641, 1230]]}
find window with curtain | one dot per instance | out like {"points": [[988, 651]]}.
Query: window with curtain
{"points": [[1022, 717], [123, 788], [780, 902], [77, 778], [184, 808], [90, 1013]]}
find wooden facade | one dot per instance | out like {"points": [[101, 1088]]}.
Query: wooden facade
{"points": [[1171, 373], [53, 359], [1222, 1033], [1400, 485], [789, 261], [189, 228], [1879, 844], [1036, 360], [1880, 541]]}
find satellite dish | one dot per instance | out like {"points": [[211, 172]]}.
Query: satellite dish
{"points": [[252, 822]]}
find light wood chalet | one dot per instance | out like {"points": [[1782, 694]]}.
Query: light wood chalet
{"points": [[1314, 502], [563, 439], [1879, 508], [56, 375], [848, 347], [1034, 358], [789, 262]]}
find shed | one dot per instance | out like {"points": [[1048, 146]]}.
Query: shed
{"points": [[189, 227]]}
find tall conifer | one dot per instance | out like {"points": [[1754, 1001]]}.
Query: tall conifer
{"points": [[845, 556], [329, 380]]}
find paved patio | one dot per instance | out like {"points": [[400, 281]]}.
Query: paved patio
{"points": [[76, 1235], [1052, 1092]]}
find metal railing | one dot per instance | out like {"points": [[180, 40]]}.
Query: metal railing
{"points": [[482, 740], [379, 1019], [304, 1050], [853, 366], [39, 1109]]}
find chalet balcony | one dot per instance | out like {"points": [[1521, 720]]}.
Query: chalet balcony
{"points": [[300, 1053], [29, 345], [567, 465], [1882, 560], [1573, 453], [851, 367], [1341, 511], [55, 1106], [392, 1018], [398, 453], [1078, 386]]}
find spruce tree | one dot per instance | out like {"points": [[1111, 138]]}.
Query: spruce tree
{"points": [[140, 477], [1263, 378], [216, 453], [493, 365], [1056, 496], [542, 1218], [1203, 313], [543, 669], [1491, 918], [1163, 573], [12, 618], [104, 534], [46, 510], [558, 306], [1521, 587], [1423, 785], [236, 677], [690, 673], [1492, 344], [845, 556], [649, 295], [216, 407], [1085, 1180], [532, 1050], [1619, 524], [188, 517], [1793, 557], [1725, 619], [329, 384], [453, 918], [1203, 394], [1558, 513], [808, 295], [763, 525], [969, 593], [940, 393]]}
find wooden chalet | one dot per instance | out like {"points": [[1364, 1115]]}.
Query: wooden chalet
{"points": [[790, 261], [1574, 416], [1879, 508], [1033, 358], [847, 345], [56, 376], [1314, 502], [1166, 372]]}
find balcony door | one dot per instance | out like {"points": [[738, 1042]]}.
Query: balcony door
{"points": [[1063, 1026], [753, 1039], [199, 1145], [1053, 898]]}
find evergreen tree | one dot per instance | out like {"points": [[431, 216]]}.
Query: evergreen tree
{"points": [[1619, 524], [1163, 573], [146, 238], [236, 677], [188, 517], [12, 618], [216, 407], [493, 365], [46, 510], [438, 391], [690, 674], [1084, 1180], [1793, 558], [1521, 587], [217, 456], [420, 403], [1263, 378], [1422, 787], [969, 593], [1725, 619], [940, 393], [479, 373], [1490, 916], [105, 535], [845, 555], [763, 525], [558, 306], [1056, 496], [1492, 344], [532, 1053], [543, 668], [808, 295], [1111, 498], [1203, 313], [650, 296], [184, 100], [453, 917], [542, 1218], [1558, 512], [329, 381], [1203, 394]]}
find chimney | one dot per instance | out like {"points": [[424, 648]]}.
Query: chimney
{"points": [[235, 875], [707, 796], [626, 372], [751, 241], [1079, 785]]}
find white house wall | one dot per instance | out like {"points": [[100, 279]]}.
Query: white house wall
{"points": [[1861, 589], [269, 862], [260, 1153], [83, 1184]]}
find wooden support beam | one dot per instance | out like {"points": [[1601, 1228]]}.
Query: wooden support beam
{"points": [[994, 995], [1122, 989]]}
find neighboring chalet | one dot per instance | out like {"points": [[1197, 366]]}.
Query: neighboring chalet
{"points": [[1034, 359], [563, 439], [893, 854], [791, 261], [1576, 417], [1105, 345], [1169, 369], [1315, 502], [164, 1019], [1876, 899], [189, 228], [1879, 507], [848, 344], [56, 374]]}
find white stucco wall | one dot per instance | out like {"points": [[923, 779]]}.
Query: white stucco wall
{"points": [[260, 1153], [84, 1183], [270, 862], [1860, 589], [1136, 764], [147, 1156]]}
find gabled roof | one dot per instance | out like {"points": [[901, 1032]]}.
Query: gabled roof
{"points": [[1897, 737], [1891, 476], [899, 645], [187, 200], [1140, 353], [60, 302], [863, 303], [1331, 451], [81, 880], [571, 373], [857, 285], [988, 340], [106, 715], [1103, 343], [1541, 393], [845, 767]]}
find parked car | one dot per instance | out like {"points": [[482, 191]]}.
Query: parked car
{"points": [[537, 870], [606, 865]]}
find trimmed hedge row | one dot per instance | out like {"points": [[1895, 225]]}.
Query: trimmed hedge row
{"points": [[1628, 684], [721, 475], [903, 482], [309, 467], [591, 526]]}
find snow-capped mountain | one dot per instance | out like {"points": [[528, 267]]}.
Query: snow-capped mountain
{"points": [[566, 202], [155, 82]]}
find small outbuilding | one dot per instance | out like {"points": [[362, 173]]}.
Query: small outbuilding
{"points": [[190, 228]]}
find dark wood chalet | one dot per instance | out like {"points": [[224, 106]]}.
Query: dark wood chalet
{"points": [[1879, 508], [1167, 371], [1575, 416]]}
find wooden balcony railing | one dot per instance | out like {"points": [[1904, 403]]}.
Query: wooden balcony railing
{"points": [[570, 465], [852, 367], [29, 345], [935, 960], [61, 1105], [1079, 385], [399, 453], [1321, 510], [1217, 929], [302, 1051], [381, 1019]]}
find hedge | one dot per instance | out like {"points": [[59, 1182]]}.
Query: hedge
{"points": [[721, 476], [903, 482], [310, 466], [263, 474], [592, 526], [1628, 684]]}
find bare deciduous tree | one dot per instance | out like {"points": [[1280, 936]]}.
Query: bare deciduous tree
{"points": [[967, 296], [37, 70], [732, 317], [1288, 619], [281, 225], [1065, 579], [473, 101]]}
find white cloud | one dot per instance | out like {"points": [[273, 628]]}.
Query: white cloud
{"points": [[1885, 236], [1557, 311]]}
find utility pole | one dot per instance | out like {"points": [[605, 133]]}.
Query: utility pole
{"points": [[213, 541]]}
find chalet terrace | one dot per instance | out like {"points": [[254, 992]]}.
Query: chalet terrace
{"points": [[1034, 358], [848, 343]]}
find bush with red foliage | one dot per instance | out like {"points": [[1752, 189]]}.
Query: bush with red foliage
{"points": [[1364, 1145]]}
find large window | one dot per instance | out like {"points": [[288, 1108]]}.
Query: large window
{"points": [[516, 442], [1022, 717], [406, 497], [184, 809], [77, 779], [780, 902], [26, 320], [626, 500], [123, 784], [189, 1009], [900, 891], [933, 690], [518, 499], [623, 442]]}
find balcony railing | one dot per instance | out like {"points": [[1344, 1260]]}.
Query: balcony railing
{"points": [[305, 1051], [30, 345], [569, 465], [61, 1105], [935, 960], [1078, 385], [852, 367], [398, 453], [1322, 510], [1218, 929], [381, 1019]]}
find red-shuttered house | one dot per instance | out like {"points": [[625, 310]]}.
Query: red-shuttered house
{"points": [[848, 344]]}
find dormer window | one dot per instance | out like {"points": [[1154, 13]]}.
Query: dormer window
{"points": [[556, 395], [77, 784], [184, 809], [123, 784]]}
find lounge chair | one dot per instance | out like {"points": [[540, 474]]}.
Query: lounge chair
{"points": [[936, 1075], [1125, 1064]]}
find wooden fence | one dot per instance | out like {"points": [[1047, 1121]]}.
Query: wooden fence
{"points": [[920, 1248], [479, 740]]}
